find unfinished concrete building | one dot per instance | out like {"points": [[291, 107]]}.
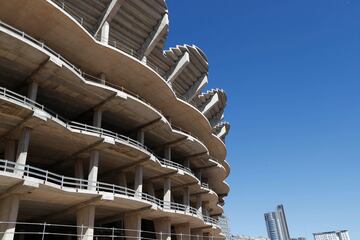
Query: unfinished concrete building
{"points": [[102, 129]]}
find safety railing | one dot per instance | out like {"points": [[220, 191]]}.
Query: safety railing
{"points": [[175, 165], [35, 230], [85, 75], [205, 185], [77, 183]]}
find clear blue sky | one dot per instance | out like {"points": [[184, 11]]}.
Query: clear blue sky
{"points": [[291, 69]]}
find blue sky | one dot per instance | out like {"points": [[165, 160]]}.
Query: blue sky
{"points": [[291, 69]]}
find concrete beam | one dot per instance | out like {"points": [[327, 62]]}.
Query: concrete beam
{"points": [[170, 144], [145, 127], [196, 156], [125, 167], [200, 193], [206, 107], [162, 176], [12, 131], [196, 88], [185, 185], [205, 167], [88, 148], [23, 187], [154, 37], [178, 68], [101, 106], [71, 209], [109, 14]]}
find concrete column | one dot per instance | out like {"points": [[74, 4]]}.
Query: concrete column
{"points": [[141, 137], [132, 224], [150, 188], [182, 231], [205, 208], [167, 153], [97, 118], [32, 90], [103, 78], [167, 193], [122, 179], [198, 174], [198, 203], [93, 169], [186, 196], [207, 236], [105, 32], [10, 151], [9, 207], [163, 228], [138, 183], [22, 149], [85, 218], [197, 234], [187, 163]]}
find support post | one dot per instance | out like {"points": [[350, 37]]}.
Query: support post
{"points": [[150, 189], [93, 169], [183, 230], [132, 224], [105, 31], [167, 153], [122, 179], [186, 197], [138, 183], [22, 149], [163, 228], [141, 136], [85, 218], [199, 204], [9, 207], [167, 193], [32, 90]]}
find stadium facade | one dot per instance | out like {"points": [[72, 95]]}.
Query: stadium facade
{"points": [[104, 134]]}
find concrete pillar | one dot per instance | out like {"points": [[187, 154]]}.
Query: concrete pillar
{"points": [[198, 174], [122, 179], [85, 218], [132, 224], [9, 207], [138, 183], [97, 118], [22, 149], [186, 196], [105, 31], [205, 208], [199, 203], [150, 189], [197, 234], [163, 228], [167, 193], [10, 150], [103, 78], [32, 90], [93, 169], [187, 163], [167, 153], [207, 236], [140, 137], [182, 231]]}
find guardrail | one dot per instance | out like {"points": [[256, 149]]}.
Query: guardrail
{"points": [[78, 183], [88, 128], [66, 231], [85, 75]]}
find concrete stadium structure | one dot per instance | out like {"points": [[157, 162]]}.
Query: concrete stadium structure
{"points": [[101, 128]]}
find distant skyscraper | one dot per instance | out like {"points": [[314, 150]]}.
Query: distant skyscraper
{"points": [[272, 226], [283, 224], [276, 224], [334, 235]]}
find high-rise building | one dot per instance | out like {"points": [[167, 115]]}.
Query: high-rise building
{"points": [[104, 134], [333, 235], [276, 224], [283, 223]]}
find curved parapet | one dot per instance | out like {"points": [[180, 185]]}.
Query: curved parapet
{"points": [[221, 130], [186, 70], [212, 104]]}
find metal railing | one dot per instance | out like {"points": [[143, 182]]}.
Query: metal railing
{"points": [[45, 230], [88, 128], [85, 75], [69, 182]]}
